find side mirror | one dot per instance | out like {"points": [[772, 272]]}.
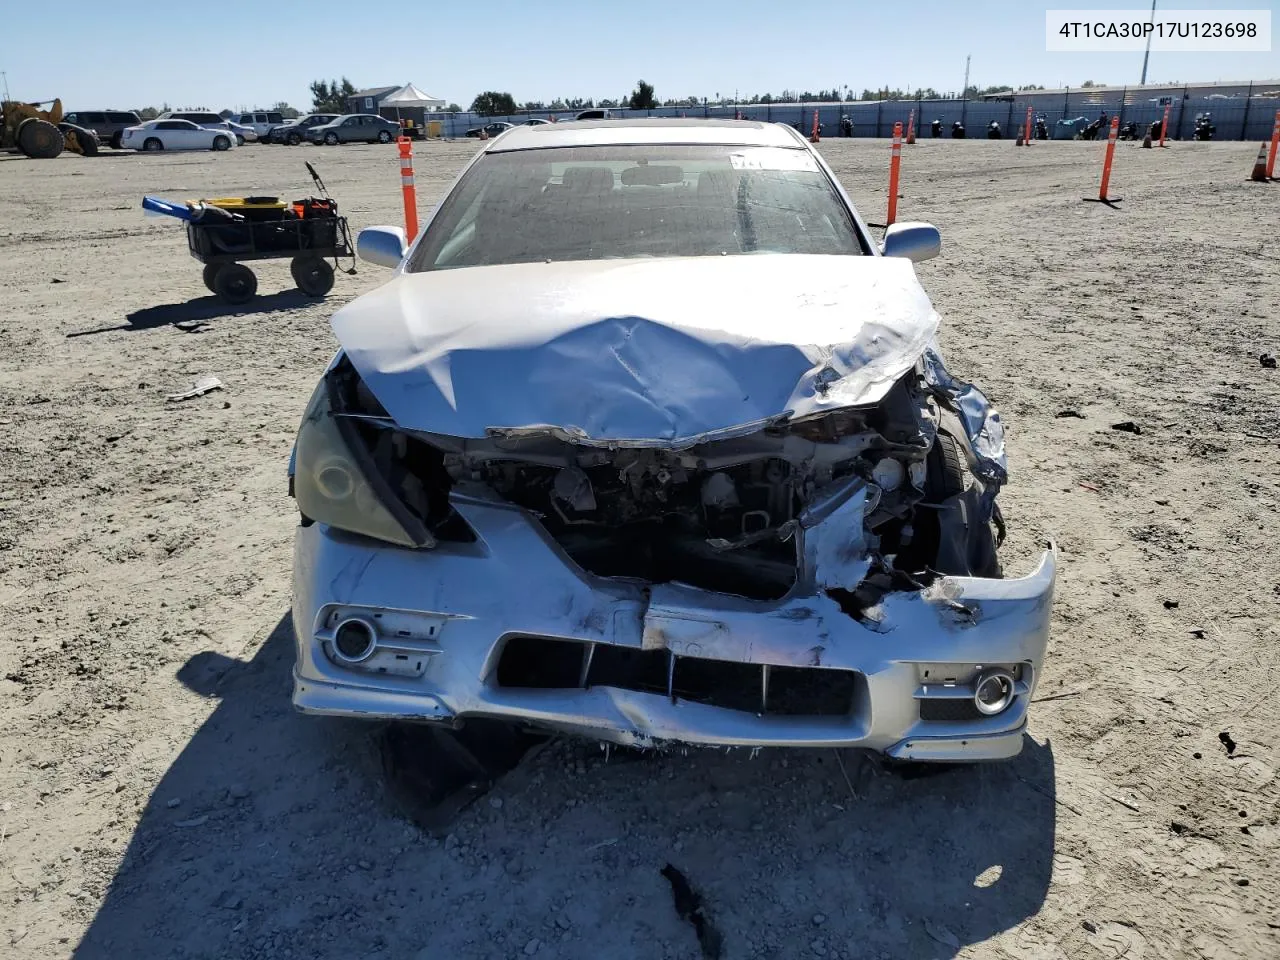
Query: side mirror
{"points": [[915, 241], [385, 246]]}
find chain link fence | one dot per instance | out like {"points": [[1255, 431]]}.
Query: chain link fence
{"points": [[1234, 118]]}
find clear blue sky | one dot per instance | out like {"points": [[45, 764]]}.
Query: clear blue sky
{"points": [[246, 53]]}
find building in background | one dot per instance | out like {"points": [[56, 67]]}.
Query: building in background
{"points": [[409, 105], [368, 101]]}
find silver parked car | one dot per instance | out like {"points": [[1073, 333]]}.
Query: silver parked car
{"points": [[648, 440], [354, 128]]}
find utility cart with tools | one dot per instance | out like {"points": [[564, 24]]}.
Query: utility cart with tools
{"points": [[226, 232]]}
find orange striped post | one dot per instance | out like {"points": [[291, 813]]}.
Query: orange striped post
{"points": [[895, 161], [813, 137], [406, 185], [1275, 145], [1106, 166], [1164, 124], [1027, 129], [911, 127]]}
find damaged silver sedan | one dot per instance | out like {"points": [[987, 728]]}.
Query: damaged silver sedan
{"points": [[646, 440]]}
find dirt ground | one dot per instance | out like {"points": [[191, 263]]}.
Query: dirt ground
{"points": [[159, 798]]}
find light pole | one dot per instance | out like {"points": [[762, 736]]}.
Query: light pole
{"points": [[1147, 56]]}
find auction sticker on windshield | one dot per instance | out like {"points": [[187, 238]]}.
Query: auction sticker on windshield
{"points": [[773, 158]]}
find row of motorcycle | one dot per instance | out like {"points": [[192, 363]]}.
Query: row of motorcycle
{"points": [[1083, 129], [1040, 128]]}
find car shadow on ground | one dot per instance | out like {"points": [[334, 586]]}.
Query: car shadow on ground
{"points": [[192, 314], [273, 835]]}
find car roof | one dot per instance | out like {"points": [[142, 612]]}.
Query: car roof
{"points": [[647, 130]]}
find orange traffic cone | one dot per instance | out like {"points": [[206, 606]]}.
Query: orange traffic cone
{"points": [[1260, 166]]}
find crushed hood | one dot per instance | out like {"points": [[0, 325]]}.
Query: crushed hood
{"points": [[671, 352]]}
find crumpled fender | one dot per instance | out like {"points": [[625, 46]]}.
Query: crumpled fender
{"points": [[984, 431]]}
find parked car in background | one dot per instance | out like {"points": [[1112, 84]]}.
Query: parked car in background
{"points": [[533, 122], [294, 132], [107, 124], [242, 132], [260, 121], [355, 128], [491, 129], [648, 439], [174, 134], [594, 115], [211, 121], [202, 118]]}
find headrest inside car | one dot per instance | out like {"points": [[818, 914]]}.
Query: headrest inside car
{"points": [[651, 175]]}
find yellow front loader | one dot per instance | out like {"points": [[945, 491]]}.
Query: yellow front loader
{"points": [[40, 133]]}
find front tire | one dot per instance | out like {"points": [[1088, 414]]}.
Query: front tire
{"points": [[86, 143], [945, 475], [384, 136], [313, 276], [40, 139], [331, 139], [153, 145], [293, 139], [221, 143], [117, 139], [235, 283], [211, 271]]}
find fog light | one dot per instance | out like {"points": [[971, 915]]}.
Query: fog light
{"points": [[993, 692], [354, 640]]}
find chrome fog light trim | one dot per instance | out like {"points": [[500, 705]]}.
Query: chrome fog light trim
{"points": [[993, 692], [354, 640]]}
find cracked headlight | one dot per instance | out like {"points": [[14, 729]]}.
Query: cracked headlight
{"points": [[333, 488]]}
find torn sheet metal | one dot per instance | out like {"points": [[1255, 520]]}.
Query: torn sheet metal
{"points": [[836, 551], [981, 421], [657, 352]]}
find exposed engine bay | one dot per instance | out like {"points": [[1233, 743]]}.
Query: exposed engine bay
{"points": [[722, 515]]}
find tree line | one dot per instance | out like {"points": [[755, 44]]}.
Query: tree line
{"points": [[330, 96], [494, 103]]}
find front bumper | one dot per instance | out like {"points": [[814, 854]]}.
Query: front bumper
{"points": [[442, 617]]}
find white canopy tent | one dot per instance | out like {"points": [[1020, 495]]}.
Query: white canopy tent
{"points": [[410, 96]]}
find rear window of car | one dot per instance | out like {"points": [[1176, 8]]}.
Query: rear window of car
{"points": [[274, 118], [597, 203]]}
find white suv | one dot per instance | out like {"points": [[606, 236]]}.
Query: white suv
{"points": [[260, 120]]}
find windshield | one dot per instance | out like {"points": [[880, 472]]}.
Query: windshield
{"points": [[597, 203]]}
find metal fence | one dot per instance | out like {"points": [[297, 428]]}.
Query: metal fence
{"points": [[1236, 118]]}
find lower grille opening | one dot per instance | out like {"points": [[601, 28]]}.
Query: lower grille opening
{"points": [[540, 663], [549, 664], [733, 686], [629, 669], [949, 710], [807, 692]]}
